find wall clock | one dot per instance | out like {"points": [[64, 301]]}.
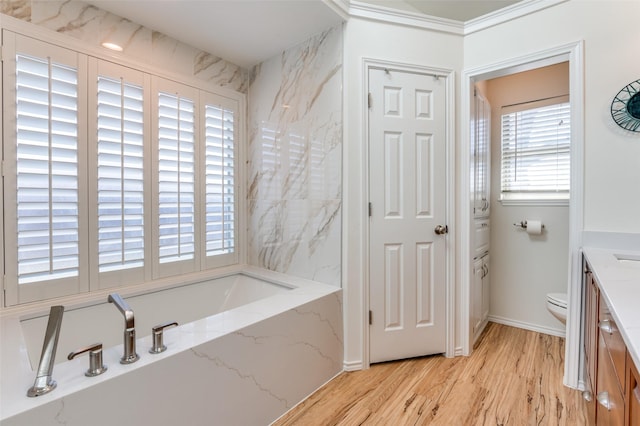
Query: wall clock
{"points": [[625, 108]]}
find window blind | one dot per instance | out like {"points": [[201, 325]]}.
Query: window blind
{"points": [[536, 150], [120, 174], [176, 178], [219, 175], [47, 158]]}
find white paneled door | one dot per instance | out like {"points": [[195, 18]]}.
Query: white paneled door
{"points": [[407, 182]]}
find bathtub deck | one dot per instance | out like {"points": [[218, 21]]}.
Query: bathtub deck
{"points": [[514, 377]]}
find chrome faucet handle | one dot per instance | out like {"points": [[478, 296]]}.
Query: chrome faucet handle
{"points": [[96, 367], [157, 332]]}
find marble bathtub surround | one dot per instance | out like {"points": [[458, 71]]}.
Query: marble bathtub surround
{"points": [[295, 160], [232, 366]]}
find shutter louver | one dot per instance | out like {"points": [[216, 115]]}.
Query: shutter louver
{"points": [[120, 130], [536, 150], [176, 187], [220, 196], [47, 170]]}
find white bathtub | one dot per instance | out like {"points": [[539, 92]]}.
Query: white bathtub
{"points": [[249, 347]]}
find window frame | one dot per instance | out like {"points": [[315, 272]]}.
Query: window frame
{"points": [[540, 198], [89, 280]]}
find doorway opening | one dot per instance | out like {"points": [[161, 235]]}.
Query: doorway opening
{"points": [[569, 56]]}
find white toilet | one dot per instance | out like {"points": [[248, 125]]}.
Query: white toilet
{"points": [[557, 305]]}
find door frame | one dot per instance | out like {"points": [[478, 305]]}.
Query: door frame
{"points": [[573, 53], [450, 238]]}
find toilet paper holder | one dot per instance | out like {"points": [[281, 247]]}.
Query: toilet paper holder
{"points": [[523, 224]]}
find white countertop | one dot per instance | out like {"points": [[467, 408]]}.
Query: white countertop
{"points": [[619, 283]]}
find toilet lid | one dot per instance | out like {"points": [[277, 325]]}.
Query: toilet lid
{"points": [[559, 299]]}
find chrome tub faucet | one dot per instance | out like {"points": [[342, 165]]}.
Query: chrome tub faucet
{"points": [[130, 355], [44, 383]]}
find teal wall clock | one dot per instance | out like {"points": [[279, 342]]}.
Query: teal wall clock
{"points": [[625, 108]]}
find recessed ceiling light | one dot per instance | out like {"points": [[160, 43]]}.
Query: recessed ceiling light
{"points": [[112, 46]]}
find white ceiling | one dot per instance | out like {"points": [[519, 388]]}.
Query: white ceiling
{"points": [[247, 32], [244, 32], [458, 10]]}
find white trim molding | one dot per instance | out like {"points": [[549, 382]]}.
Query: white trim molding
{"points": [[559, 332], [374, 12], [508, 13]]}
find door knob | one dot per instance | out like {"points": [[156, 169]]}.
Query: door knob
{"points": [[441, 230]]}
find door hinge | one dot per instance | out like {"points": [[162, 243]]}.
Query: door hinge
{"points": [[370, 209], [370, 317], [369, 100]]}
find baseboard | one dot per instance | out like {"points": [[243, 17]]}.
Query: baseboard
{"points": [[560, 332], [458, 351], [352, 366]]}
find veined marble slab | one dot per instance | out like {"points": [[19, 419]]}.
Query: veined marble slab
{"points": [[295, 160]]}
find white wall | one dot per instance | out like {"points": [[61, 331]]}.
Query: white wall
{"points": [[611, 61], [389, 42], [612, 156], [525, 268]]}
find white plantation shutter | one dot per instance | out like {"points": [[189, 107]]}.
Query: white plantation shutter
{"points": [[47, 169], [535, 152], [176, 177], [44, 144], [220, 181], [112, 176], [120, 185]]}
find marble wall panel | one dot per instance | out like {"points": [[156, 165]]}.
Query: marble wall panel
{"points": [[94, 26], [295, 160]]}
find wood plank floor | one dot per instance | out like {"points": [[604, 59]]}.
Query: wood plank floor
{"points": [[514, 377]]}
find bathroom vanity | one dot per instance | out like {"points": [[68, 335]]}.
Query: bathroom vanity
{"points": [[611, 336]]}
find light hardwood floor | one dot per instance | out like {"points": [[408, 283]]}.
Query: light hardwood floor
{"points": [[513, 377]]}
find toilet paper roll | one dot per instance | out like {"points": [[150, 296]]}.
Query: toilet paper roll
{"points": [[534, 227]]}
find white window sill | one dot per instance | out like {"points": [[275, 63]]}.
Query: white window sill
{"points": [[528, 200]]}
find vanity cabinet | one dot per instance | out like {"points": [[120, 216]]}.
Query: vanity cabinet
{"points": [[590, 321], [610, 389], [632, 417], [613, 382]]}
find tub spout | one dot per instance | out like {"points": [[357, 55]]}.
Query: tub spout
{"points": [[44, 383], [130, 355]]}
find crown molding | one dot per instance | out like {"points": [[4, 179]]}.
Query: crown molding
{"points": [[508, 13], [359, 9], [411, 19], [341, 7]]}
